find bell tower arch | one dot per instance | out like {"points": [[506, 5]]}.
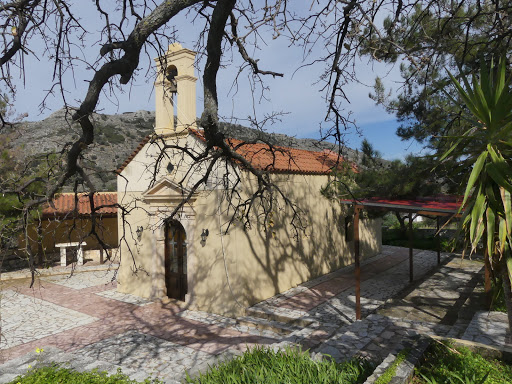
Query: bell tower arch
{"points": [[175, 88]]}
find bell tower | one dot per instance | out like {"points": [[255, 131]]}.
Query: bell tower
{"points": [[175, 86]]}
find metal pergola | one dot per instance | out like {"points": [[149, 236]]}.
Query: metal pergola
{"points": [[438, 207]]}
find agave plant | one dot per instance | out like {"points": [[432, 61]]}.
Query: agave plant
{"points": [[487, 148]]}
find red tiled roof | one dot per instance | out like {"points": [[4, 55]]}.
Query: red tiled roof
{"points": [[278, 159], [283, 159], [439, 204], [65, 204]]}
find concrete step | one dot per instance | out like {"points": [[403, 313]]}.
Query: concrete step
{"points": [[274, 326], [274, 314]]}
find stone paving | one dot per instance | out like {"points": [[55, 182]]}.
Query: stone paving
{"points": [[124, 297], [382, 277], [82, 321], [489, 328], [70, 269], [138, 352], [84, 280], [50, 355], [427, 309], [377, 288], [434, 299], [32, 322], [93, 322], [226, 322]]}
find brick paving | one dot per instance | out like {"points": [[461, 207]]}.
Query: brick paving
{"points": [[73, 316], [84, 322], [18, 326]]}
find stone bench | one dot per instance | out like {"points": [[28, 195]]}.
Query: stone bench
{"points": [[99, 254], [79, 253]]}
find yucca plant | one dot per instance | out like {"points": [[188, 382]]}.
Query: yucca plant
{"points": [[487, 149]]}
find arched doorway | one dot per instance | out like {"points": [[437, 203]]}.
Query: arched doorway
{"points": [[175, 260]]}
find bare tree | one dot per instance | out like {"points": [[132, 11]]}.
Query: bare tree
{"points": [[334, 32]]}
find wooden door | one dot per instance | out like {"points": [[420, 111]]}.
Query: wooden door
{"points": [[175, 261]]}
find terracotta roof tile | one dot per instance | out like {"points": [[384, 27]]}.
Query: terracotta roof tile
{"points": [[278, 159], [65, 204]]}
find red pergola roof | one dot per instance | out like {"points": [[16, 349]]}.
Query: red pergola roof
{"points": [[435, 205], [442, 205]]}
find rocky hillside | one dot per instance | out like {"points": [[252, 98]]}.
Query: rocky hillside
{"points": [[115, 138], [118, 135]]}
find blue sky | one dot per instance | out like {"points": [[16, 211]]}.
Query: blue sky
{"points": [[296, 95]]}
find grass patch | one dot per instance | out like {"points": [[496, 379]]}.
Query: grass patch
{"points": [[446, 364], [390, 372], [263, 365], [55, 374], [429, 244]]}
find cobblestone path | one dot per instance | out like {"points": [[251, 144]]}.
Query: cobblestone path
{"points": [[75, 316], [394, 312]]}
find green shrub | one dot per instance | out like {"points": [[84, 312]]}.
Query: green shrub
{"points": [[110, 133], [389, 220], [398, 238], [423, 243], [447, 365], [55, 374], [263, 365]]}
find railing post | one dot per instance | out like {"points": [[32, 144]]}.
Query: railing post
{"points": [[411, 240], [438, 236], [357, 263]]}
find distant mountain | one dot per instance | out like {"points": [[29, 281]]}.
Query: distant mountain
{"points": [[116, 136]]}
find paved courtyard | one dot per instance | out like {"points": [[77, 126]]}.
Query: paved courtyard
{"points": [[83, 322]]}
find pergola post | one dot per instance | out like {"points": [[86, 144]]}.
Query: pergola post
{"points": [[411, 239], [357, 263], [39, 243], [438, 238]]}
